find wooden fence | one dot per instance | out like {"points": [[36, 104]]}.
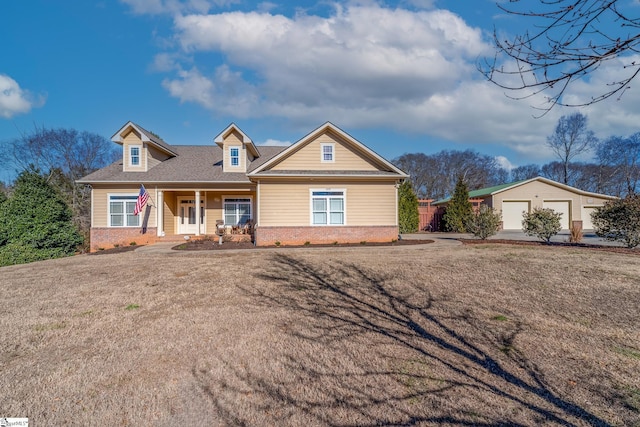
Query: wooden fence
{"points": [[431, 216]]}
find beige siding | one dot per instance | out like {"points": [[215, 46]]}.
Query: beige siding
{"points": [[101, 204], [289, 203], [234, 139], [537, 193], [309, 157], [169, 217], [130, 139]]}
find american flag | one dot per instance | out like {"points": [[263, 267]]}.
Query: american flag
{"points": [[142, 200]]}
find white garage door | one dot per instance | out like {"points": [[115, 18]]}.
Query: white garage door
{"points": [[560, 207], [586, 217], [512, 214]]}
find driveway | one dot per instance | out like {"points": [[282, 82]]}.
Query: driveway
{"points": [[589, 237]]}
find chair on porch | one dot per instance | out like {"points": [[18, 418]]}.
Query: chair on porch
{"points": [[247, 228]]}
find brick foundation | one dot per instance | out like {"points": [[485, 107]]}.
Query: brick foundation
{"points": [[265, 236], [108, 237]]}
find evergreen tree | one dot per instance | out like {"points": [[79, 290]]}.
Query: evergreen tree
{"points": [[408, 216], [35, 222], [459, 210]]}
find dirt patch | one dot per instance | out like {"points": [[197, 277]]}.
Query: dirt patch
{"points": [[615, 249], [212, 245]]}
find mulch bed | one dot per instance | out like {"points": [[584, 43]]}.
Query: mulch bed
{"points": [[117, 250], [615, 249], [210, 245]]}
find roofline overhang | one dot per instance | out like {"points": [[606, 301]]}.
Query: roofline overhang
{"points": [[144, 181], [311, 135], [117, 137], [287, 175], [555, 184], [219, 139]]}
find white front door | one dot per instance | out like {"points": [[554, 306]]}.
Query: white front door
{"points": [[187, 216]]}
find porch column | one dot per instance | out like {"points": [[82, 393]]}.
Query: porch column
{"points": [[160, 214], [197, 213]]}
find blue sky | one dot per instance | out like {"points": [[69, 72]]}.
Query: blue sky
{"points": [[400, 76]]}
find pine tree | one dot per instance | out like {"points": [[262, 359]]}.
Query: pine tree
{"points": [[408, 216], [459, 210]]}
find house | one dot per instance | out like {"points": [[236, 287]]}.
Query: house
{"points": [[515, 198], [327, 187]]}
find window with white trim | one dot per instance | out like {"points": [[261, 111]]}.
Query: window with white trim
{"points": [[326, 151], [237, 211], [234, 156], [327, 207], [121, 209], [134, 155]]}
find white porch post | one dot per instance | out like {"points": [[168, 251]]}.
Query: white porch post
{"points": [[160, 213], [197, 213]]}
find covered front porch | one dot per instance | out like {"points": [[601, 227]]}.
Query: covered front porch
{"points": [[208, 212]]}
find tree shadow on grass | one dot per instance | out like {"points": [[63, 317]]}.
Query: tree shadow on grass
{"points": [[372, 349]]}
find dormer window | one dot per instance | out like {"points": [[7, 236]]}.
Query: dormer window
{"points": [[327, 153], [234, 156], [134, 155]]}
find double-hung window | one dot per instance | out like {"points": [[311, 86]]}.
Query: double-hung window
{"points": [[234, 156], [327, 207], [237, 211], [134, 155], [121, 209], [327, 155]]}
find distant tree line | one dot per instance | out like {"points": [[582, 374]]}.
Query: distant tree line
{"points": [[614, 168]]}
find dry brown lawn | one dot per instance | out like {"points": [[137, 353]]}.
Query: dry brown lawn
{"points": [[472, 335]]}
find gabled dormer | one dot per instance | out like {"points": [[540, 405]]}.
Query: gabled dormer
{"points": [[141, 150], [238, 149]]}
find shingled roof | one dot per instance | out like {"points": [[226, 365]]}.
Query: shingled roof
{"points": [[191, 163]]}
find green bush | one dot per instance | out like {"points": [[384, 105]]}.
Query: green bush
{"points": [[408, 216], [543, 223], [619, 220], [484, 223], [35, 222], [459, 210]]}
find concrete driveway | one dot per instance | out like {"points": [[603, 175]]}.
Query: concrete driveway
{"points": [[589, 237]]}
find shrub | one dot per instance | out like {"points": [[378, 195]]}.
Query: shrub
{"points": [[408, 216], [484, 223], [459, 210], [543, 223], [37, 221], [619, 220], [576, 234]]}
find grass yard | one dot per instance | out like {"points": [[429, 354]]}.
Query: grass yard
{"points": [[482, 335]]}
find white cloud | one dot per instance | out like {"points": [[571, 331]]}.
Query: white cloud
{"points": [[155, 7], [14, 100], [275, 143], [413, 71], [504, 163], [192, 86]]}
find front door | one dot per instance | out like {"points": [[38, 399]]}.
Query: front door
{"points": [[187, 216]]}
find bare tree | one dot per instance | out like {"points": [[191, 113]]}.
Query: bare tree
{"points": [[570, 139], [621, 158], [65, 155], [566, 41], [525, 172], [435, 175]]}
